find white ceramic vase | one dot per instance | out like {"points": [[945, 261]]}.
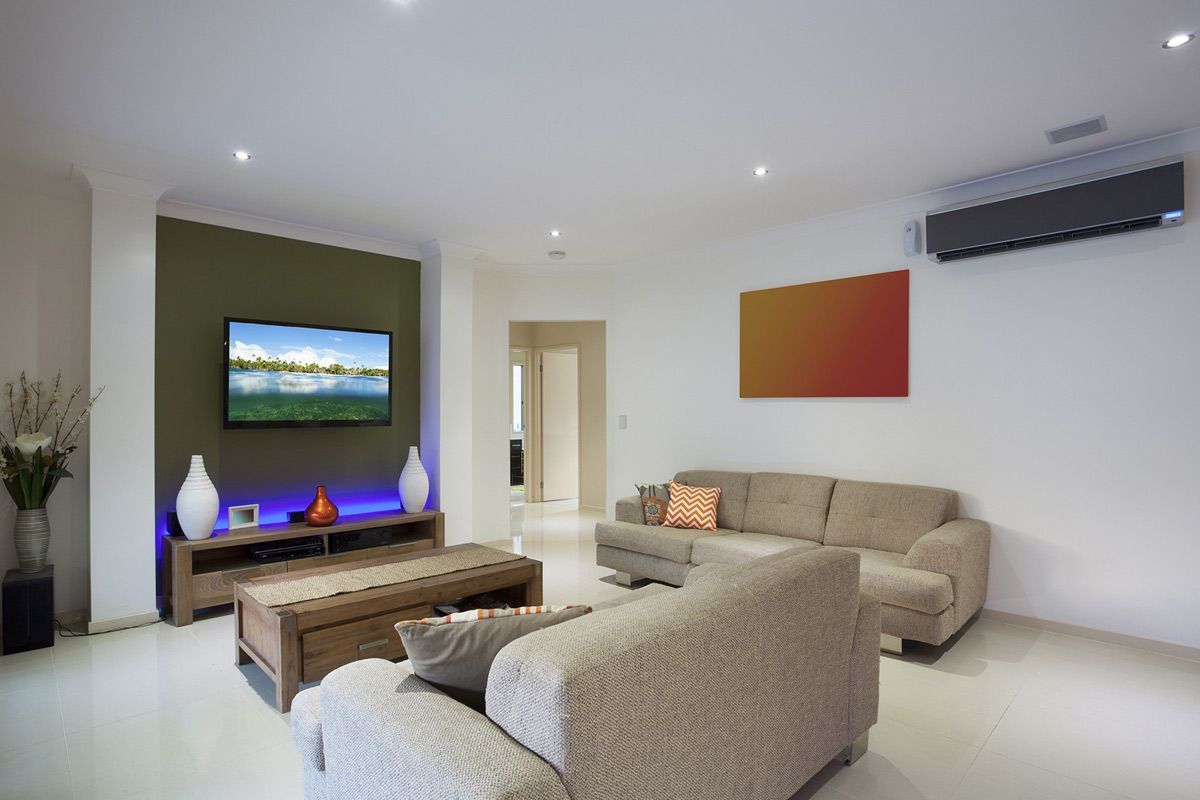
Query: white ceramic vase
{"points": [[414, 483], [197, 503]]}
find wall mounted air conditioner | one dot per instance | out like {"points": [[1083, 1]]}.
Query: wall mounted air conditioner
{"points": [[1100, 205]]}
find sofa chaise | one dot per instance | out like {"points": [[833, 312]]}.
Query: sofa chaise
{"points": [[744, 683], [927, 566]]}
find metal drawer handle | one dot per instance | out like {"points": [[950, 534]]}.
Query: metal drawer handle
{"points": [[369, 645]]}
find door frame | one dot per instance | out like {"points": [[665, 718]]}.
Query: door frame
{"points": [[533, 429], [522, 356]]}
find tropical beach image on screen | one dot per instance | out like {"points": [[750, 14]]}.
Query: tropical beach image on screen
{"points": [[286, 374]]}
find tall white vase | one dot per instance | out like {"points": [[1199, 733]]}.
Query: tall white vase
{"points": [[197, 503], [414, 483]]}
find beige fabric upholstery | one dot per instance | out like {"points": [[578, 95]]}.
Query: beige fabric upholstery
{"points": [[788, 505], [707, 572], [735, 486], [632, 596], [738, 547], [306, 732], [864, 666], [629, 509], [883, 575], [642, 565], [929, 569], [674, 544], [960, 550], [886, 516], [387, 733], [693, 693], [917, 625]]}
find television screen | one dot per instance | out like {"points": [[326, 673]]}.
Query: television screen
{"points": [[280, 375]]}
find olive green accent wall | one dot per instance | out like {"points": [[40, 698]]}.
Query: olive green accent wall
{"points": [[206, 273]]}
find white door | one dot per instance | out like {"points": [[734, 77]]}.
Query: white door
{"points": [[560, 423]]}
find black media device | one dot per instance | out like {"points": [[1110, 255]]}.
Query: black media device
{"points": [[286, 550], [28, 610], [359, 540]]}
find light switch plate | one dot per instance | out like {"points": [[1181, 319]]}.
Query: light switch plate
{"points": [[621, 422]]}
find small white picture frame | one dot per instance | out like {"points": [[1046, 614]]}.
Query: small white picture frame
{"points": [[243, 517]]}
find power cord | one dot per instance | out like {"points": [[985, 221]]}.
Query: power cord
{"points": [[66, 633]]}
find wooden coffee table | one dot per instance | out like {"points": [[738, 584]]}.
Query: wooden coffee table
{"points": [[304, 642]]}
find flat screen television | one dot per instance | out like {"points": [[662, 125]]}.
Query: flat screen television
{"points": [[288, 375]]}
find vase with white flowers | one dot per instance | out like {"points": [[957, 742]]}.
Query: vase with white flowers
{"points": [[37, 439]]}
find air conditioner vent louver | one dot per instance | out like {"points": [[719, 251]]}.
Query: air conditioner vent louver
{"points": [[1102, 206], [1057, 238]]}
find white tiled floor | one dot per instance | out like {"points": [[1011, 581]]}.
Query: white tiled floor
{"points": [[1004, 712]]}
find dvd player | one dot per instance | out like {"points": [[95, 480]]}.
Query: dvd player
{"points": [[286, 550]]}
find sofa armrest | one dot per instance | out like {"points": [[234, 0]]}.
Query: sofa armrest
{"points": [[629, 509], [307, 734], [960, 549], [387, 733], [864, 668]]}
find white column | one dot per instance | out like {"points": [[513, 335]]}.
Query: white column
{"points": [[447, 310], [121, 464]]}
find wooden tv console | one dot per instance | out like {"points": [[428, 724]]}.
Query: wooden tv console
{"points": [[198, 573]]}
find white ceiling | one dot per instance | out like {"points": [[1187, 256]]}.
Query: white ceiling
{"points": [[631, 125]]}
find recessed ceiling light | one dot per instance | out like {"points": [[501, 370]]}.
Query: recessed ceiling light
{"points": [[557, 255], [556, 233], [1178, 40], [242, 155], [760, 171]]}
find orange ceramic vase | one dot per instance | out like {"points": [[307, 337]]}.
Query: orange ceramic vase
{"points": [[321, 511]]}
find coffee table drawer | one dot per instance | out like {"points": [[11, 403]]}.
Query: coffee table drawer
{"points": [[329, 648]]}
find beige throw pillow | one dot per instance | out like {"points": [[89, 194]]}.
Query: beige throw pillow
{"points": [[455, 653]]}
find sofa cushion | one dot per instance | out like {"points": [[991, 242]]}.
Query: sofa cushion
{"points": [[655, 498], [454, 653], [674, 544], [883, 575], [788, 505], [692, 507], [734, 486], [886, 516], [736, 548]]}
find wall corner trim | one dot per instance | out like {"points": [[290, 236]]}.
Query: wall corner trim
{"points": [[100, 180]]}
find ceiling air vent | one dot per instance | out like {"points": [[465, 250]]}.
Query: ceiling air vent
{"points": [[1077, 130]]}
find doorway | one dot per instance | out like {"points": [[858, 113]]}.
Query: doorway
{"points": [[557, 375], [519, 383]]}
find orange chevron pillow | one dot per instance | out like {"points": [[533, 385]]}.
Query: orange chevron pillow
{"points": [[692, 507]]}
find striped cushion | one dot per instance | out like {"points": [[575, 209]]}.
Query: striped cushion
{"points": [[692, 507], [486, 613]]}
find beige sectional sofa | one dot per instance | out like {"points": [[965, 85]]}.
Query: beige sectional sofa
{"points": [[927, 566], [667, 693]]}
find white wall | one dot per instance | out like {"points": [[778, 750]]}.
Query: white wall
{"points": [[447, 302], [502, 296], [44, 329], [121, 508], [1055, 389]]}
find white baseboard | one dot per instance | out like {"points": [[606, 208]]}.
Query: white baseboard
{"points": [[591, 508], [1096, 634], [116, 623]]}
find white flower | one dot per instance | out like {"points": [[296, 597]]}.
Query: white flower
{"points": [[28, 443]]}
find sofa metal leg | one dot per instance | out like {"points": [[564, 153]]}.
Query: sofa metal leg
{"points": [[891, 644], [854, 751], [625, 579]]}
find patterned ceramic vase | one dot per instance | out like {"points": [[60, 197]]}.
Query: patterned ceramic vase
{"points": [[413, 484], [197, 503], [321, 511], [32, 535]]}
